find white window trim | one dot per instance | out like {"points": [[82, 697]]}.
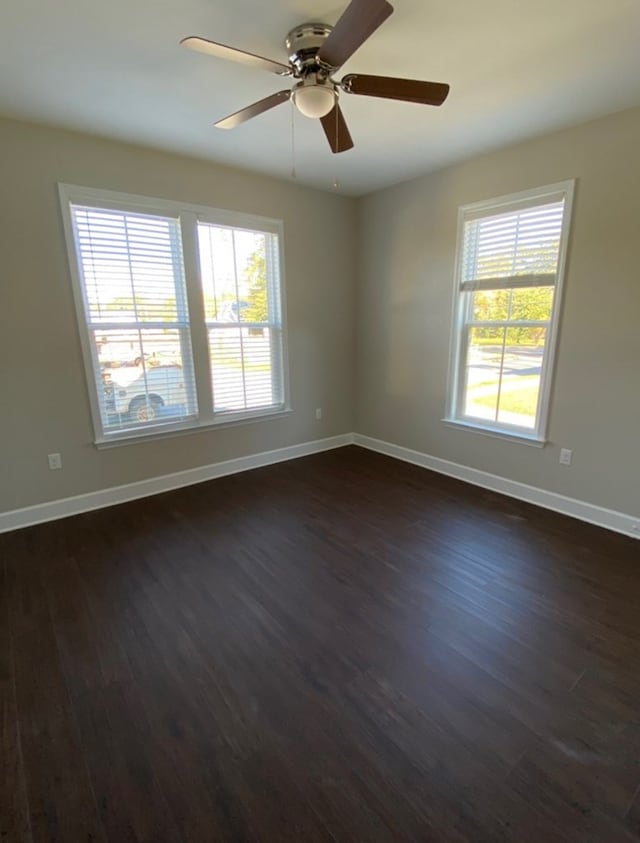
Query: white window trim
{"points": [[512, 201], [168, 431], [206, 418]]}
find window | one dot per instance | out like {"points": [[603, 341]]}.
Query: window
{"points": [[242, 314], [511, 255], [180, 311]]}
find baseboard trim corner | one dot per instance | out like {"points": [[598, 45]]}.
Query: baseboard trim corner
{"points": [[619, 522], [610, 519], [65, 507]]}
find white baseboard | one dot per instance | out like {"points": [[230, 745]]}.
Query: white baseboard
{"points": [[620, 522], [65, 507]]}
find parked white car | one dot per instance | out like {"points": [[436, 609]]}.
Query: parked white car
{"points": [[141, 393]]}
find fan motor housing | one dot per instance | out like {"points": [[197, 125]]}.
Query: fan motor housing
{"points": [[303, 43]]}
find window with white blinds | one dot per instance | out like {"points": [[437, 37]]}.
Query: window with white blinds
{"points": [[241, 288], [137, 303], [511, 255]]}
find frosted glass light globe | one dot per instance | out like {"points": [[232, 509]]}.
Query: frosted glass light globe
{"points": [[314, 100]]}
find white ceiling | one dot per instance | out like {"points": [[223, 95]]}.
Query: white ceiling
{"points": [[517, 68]]}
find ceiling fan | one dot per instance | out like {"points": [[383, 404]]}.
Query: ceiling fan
{"points": [[316, 52]]}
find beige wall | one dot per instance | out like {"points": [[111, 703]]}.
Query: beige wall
{"points": [[43, 390], [406, 248]]}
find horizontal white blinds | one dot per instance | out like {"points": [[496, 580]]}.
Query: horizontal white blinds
{"points": [[133, 287], [129, 265], [517, 248], [242, 299], [242, 367]]}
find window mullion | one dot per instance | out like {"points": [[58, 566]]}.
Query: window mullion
{"points": [[463, 369], [499, 396], [182, 312], [274, 317], [510, 323], [195, 303], [240, 328]]}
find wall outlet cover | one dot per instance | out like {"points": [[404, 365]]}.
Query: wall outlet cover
{"points": [[55, 461], [565, 456]]}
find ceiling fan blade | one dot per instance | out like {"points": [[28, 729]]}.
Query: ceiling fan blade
{"points": [[360, 20], [335, 128], [222, 51], [253, 110], [409, 90]]}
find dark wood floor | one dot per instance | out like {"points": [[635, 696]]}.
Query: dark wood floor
{"points": [[339, 648]]}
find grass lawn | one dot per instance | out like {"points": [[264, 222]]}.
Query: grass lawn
{"points": [[523, 400]]}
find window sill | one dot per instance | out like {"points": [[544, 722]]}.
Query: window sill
{"points": [[511, 436], [169, 431]]}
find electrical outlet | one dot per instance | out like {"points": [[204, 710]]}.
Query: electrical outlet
{"points": [[318, 413], [565, 456], [55, 461]]}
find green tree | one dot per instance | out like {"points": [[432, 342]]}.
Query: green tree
{"points": [[256, 275], [530, 304]]}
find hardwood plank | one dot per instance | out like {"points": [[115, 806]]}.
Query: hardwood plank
{"points": [[632, 818], [338, 648], [554, 793], [112, 720], [14, 811], [61, 801]]}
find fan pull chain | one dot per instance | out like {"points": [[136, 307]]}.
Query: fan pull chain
{"points": [[336, 183], [293, 143]]}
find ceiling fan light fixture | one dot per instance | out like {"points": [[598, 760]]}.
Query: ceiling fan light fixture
{"points": [[314, 100], [315, 52]]}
